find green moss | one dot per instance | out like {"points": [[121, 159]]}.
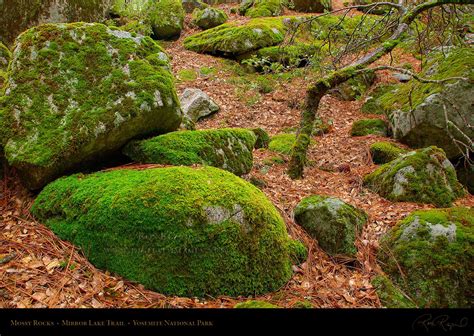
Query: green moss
{"points": [[389, 295], [372, 105], [166, 17], [332, 222], [369, 126], [263, 8], [458, 63], [355, 87], [298, 252], [209, 17], [5, 57], [263, 139], [178, 230], [303, 305], [78, 92], [232, 39], [229, 149], [429, 256], [383, 152], [273, 160], [299, 54], [187, 75], [424, 176], [282, 143], [255, 304]]}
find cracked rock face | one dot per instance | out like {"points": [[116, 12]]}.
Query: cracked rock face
{"points": [[195, 105], [424, 176], [77, 93]]}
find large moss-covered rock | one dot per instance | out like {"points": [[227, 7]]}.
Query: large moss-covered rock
{"points": [[428, 255], [78, 92], [209, 17], [17, 16], [260, 8], [383, 152], [312, 6], [423, 176], [418, 111], [332, 222], [166, 17], [233, 38], [177, 230], [355, 87], [5, 57], [369, 126], [229, 149], [190, 5]]}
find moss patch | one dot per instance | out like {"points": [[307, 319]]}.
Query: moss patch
{"points": [[383, 152], [333, 223], [372, 105], [282, 143], [434, 249], [78, 92], [369, 126], [424, 176], [178, 230], [255, 304], [261, 8], [229, 149]]}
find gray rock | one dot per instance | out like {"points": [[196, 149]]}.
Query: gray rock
{"points": [[403, 78], [190, 5], [332, 222], [209, 17], [195, 105]]}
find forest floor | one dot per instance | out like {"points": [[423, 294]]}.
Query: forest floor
{"points": [[37, 269]]}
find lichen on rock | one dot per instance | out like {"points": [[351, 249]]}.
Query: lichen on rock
{"points": [[229, 149], [423, 176], [178, 231], [78, 92], [428, 255], [332, 222]]}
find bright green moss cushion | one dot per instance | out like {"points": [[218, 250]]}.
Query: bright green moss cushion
{"points": [[78, 92], [429, 256], [255, 304], [178, 231], [228, 148]]}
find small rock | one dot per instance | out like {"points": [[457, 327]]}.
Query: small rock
{"points": [[195, 105]]}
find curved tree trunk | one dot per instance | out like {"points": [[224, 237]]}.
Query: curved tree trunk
{"points": [[316, 91]]}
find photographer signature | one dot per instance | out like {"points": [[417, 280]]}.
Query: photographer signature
{"points": [[427, 321]]}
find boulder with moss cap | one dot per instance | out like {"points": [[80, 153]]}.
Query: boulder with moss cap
{"points": [[209, 17], [178, 230], [332, 222], [423, 176], [229, 149], [428, 256], [77, 93], [383, 152]]}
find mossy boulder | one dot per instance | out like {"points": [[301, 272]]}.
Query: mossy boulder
{"points": [[255, 304], [465, 173], [166, 17], [17, 16], [389, 294], [369, 126], [190, 5], [77, 93], [5, 57], [371, 104], [178, 230], [260, 8], [383, 152], [229, 149], [263, 139], [233, 39], [297, 55], [312, 6], [428, 255], [298, 252], [209, 17], [332, 222], [282, 143], [355, 87], [423, 176], [418, 111]]}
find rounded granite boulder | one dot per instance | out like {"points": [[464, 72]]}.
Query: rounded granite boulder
{"points": [[177, 230], [332, 222], [428, 256], [209, 17]]}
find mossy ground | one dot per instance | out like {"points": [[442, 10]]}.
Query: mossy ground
{"points": [[255, 304], [432, 269], [229, 149], [282, 143], [162, 228], [369, 126], [431, 178], [383, 152], [79, 90]]}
